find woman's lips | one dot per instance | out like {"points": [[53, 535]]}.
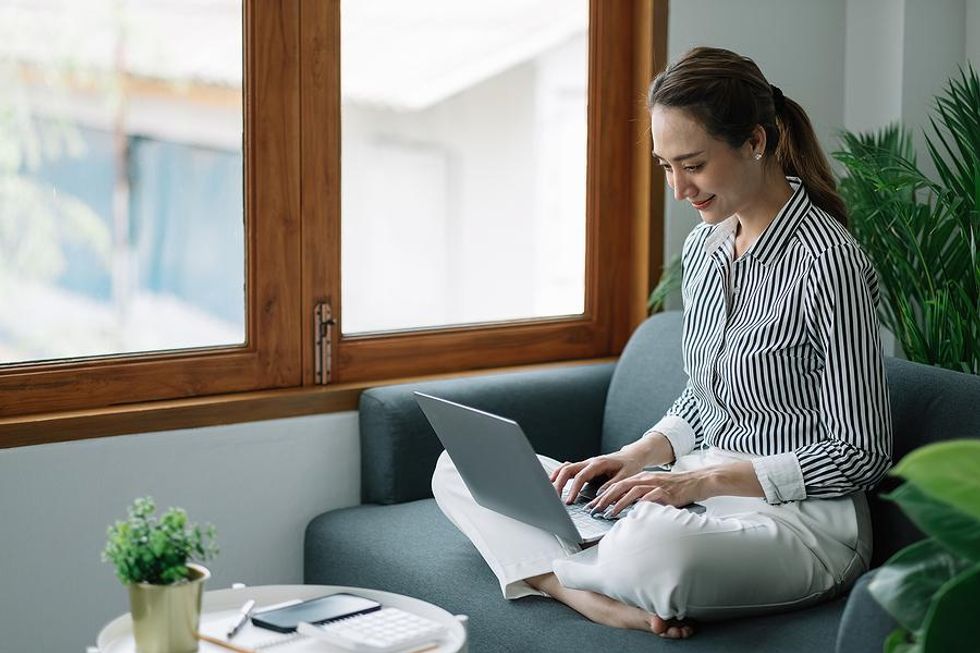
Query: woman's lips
{"points": [[703, 205]]}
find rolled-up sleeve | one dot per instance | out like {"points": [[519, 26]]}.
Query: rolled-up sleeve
{"points": [[681, 424], [855, 451]]}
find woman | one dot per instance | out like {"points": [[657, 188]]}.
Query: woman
{"points": [[784, 421]]}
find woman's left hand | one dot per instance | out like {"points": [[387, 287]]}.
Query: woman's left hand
{"points": [[676, 489]]}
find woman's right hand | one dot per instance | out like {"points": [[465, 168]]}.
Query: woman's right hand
{"points": [[614, 466]]}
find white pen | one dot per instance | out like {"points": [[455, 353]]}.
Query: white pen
{"points": [[242, 618]]}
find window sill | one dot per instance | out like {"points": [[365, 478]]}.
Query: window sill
{"points": [[47, 428]]}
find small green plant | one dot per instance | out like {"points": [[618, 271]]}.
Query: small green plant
{"points": [[156, 551], [931, 587], [670, 281]]}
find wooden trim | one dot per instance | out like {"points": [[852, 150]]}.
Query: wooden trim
{"points": [[207, 411], [606, 323], [650, 48], [271, 355], [320, 164]]}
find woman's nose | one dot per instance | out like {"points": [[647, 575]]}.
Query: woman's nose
{"points": [[683, 187]]}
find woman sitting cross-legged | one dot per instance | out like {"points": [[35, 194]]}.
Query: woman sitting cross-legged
{"points": [[784, 422]]}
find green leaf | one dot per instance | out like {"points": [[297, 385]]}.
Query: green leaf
{"points": [[952, 624], [947, 471], [906, 584], [898, 642], [955, 530], [670, 280]]}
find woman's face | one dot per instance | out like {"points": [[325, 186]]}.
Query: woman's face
{"points": [[717, 179]]}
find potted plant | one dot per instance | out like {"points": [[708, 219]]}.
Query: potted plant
{"points": [[153, 559], [931, 587]]}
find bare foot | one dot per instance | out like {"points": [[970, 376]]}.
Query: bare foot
{"points": [[610, 612], [671, 628]]}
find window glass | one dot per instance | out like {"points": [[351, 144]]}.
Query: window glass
{"points": [[463, 161], [121, 210]]}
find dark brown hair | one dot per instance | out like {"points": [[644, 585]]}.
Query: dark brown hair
{"points": [[729, 96]]}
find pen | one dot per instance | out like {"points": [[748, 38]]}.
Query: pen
{"points": [[242, 618], [224, 644]]}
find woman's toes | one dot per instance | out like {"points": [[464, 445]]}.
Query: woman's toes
{"points": [[657, 625], [670, 629]]}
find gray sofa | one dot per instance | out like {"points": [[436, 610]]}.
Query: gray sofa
{"points": [[398, 540]]}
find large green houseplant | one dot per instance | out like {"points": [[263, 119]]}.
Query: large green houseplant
{"points": [[153, 558], [922, 233], [932, 587]]}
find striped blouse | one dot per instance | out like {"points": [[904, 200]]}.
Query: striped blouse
{"points": [[783, 356]]}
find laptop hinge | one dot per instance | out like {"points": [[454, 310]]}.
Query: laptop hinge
{"points": [[323, 324]]}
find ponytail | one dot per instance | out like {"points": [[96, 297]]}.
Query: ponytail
{"points": [[800, 155], [729, 96]]}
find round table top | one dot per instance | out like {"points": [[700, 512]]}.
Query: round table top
{"points": [[222, 607]]}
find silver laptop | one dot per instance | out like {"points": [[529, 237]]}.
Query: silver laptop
{"points": [[502, 472]]}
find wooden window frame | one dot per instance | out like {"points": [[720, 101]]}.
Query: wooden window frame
{"points": [[292, 182]]}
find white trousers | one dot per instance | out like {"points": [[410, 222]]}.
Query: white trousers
{"points": [[742, 556]]}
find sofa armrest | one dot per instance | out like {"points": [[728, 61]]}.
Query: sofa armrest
{"points": [[560, 410], [865, 625]]}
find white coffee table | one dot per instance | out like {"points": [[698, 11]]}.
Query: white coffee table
{"points": [[221, 608]]}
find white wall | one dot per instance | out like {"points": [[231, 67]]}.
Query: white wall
{"points": [[258, 483], [973, 32], [873, 63]]}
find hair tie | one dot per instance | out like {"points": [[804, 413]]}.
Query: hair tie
{"points": [[778, 99]]}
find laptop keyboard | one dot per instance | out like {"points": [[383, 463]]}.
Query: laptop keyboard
{"points": [[590, 525]]}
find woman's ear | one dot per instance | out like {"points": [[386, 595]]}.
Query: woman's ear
{"points": [[757, 141]]}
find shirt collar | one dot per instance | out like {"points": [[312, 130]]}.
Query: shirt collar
{"points": [[776, 236]]}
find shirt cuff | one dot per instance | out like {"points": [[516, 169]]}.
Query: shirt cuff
{"points": [[679, 433], [781, 477]]}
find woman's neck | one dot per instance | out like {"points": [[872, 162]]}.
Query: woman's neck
{"points": [[752, 221]]}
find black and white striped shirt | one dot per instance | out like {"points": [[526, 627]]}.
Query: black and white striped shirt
{"points": [[783, 356]]}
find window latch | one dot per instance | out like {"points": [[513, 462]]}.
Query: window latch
{"points": [[323, 324]]}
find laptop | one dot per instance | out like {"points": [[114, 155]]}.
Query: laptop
{"points": [[502, 472]]}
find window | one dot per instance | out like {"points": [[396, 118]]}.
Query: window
{"points": [[180, 167], [463, 161], [308, 241], [123, 165], [500, 259]]}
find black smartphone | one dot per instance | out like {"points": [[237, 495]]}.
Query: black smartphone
{"points": [[314, 611]]}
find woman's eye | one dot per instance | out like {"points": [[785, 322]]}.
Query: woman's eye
{"points": [[694, 168]]}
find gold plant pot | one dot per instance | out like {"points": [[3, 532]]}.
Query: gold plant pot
{"points": [[166, 617]]}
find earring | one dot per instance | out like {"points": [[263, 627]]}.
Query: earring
{"points": [[758, 155]]}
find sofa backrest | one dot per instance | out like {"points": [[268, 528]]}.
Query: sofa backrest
{"points": [[928, 405], [649, 376], [560, 410]]}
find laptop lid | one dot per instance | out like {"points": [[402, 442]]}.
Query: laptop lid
{"points": [[498, 465]]}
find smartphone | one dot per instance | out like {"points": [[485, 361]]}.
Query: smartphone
{"points": [[315, 611]]}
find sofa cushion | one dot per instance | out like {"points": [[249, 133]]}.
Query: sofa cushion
{"points": [[864, 624], [413, 549]]}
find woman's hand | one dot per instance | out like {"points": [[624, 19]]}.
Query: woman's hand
{"points": [[615, 466], [676, 489]]}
